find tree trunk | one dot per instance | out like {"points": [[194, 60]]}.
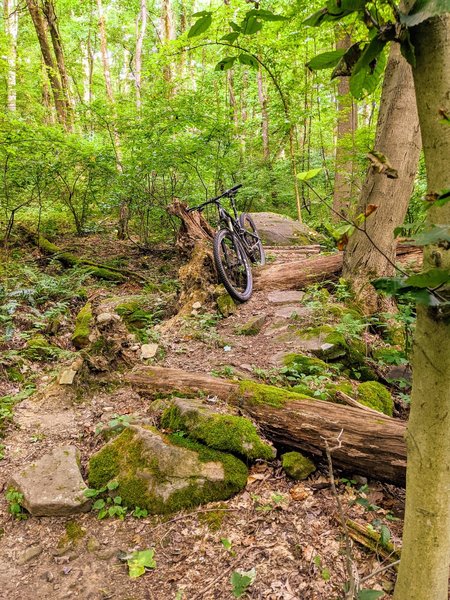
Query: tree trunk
{"points": [[50, 16], [264, 116], [141, 28], [345, 142], [11, 18], [50, 67], [168, 33], [424, 567], [371, 443], [88, 68], [297, 274], [371, 253]]}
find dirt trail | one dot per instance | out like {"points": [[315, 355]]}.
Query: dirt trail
{"points": [[287, 531]]}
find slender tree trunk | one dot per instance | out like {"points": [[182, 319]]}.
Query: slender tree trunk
{"points": [[88, 68], [104, 51], [168, 32], [50, 66], [11, 17], [425, 561], [371, 252], [141, 28], [50, 16], [346, 127], [262, 97]]}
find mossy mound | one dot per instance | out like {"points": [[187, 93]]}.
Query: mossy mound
{"points": [[225, 304], [305, 365], [164, 474], [376, 396], [260, 393], [297, 466], [228, 433], [38, 348], [333, 388], [82, 331], [252, 327], [135, 315]]}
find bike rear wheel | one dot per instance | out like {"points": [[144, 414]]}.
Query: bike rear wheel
{"points": [[233, 265], [255, 248]]}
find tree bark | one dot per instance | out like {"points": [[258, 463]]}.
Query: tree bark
{"points": [[11, 18], [264, 116], [141, 28], [372, 444], [424, 567], [345, 142], [371, 253], [50, 67], [297, 274]]}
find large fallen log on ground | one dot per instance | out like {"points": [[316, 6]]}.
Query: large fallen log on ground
{"points": [[371, 444], [303, 272]]}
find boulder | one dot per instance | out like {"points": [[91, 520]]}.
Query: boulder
{"points": [[253, 326], [165, 473], [285, 297], [297, 466], [224, 432], [280, 230], [82, 331], [52, 485], [148, 351]]}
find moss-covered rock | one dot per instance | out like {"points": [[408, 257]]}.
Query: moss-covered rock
{"points": [[253, 326], [82, 331], [268, 394], [225, 304], [38, 348], [164, 474], [135, 315], [333, 388], [297, 466], [228, 433], [306, 365], [375, 395]]}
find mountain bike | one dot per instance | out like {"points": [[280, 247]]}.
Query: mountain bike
{"points": [[236, 245]]}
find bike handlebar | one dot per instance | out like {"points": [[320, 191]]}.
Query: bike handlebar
{"points": [[229, 192]]}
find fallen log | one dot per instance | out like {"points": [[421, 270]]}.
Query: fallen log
{"points": [[372, 444], [300, 273]]}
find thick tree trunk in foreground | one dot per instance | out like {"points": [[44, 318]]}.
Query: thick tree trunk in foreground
{"points": [[371, 254], [372, 444], [345, 144], [424, 567], [297, 274]]}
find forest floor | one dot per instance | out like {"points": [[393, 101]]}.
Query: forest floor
{"points": [[288, 531]]}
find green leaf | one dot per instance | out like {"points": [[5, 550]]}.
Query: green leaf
{"points": [[117, 500], [366, 80], [226, 543], [231, 37], [265, 15], [370, 594], [423, 10], [429, 279], [139, 561], [251, 25], [226, 63], [112, 485], [385, 535], [326, 60], [435, 235], [306, 175], [388, 285], [334, 11], [316, 18], [201, 13], [369, 54], [201, 25], [91, 493], [407, 49], [99, 504], [235, 27], [241, 581], [247, 59]]}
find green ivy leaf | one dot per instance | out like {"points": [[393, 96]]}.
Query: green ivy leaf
{"points": [[369, 594], [306, 175], [200, 26], [225, 64], [429, 279], [247, 59], [423, 10], [326, 60], [241, 581], [139, 561]]}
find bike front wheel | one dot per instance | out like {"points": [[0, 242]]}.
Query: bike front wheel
{"points": [[254, 247], [233, 265]]}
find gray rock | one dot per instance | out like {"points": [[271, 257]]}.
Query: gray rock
{"points": [[292, 311], [276, 229], [148, 351], [107, 317], [286, 297], [53, 486], [29, 554], [67, 376]]}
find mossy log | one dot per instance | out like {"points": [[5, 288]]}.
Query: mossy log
{"points": [[372, 444], [300, 273], [371, 540], [67, 259]]}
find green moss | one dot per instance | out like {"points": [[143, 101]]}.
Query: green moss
{"points": [[375, 395], [213, 519], [268, 394], [74, 531], [252, 327], [332, 388], [134, 315], [302, 388], [228, 433], [297, 466], [80, 337], [306, 365], [127, 460], [226, 305]]}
